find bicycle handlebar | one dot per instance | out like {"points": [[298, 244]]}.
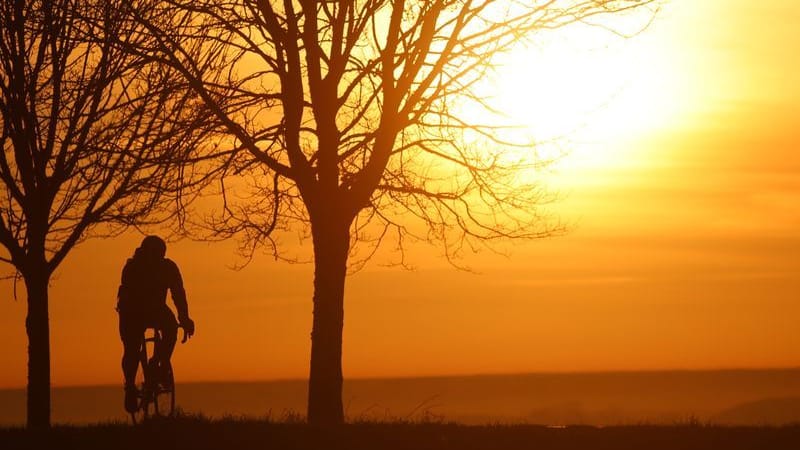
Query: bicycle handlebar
{"points": [[185, 338]]}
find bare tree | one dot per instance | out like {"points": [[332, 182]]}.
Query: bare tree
{"points": [[94, 140], [352, 122]]}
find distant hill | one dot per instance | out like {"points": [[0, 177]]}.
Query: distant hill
{"points": [[769, 411], [754, 397]]}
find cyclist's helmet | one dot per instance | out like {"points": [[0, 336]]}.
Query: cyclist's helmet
{"points": [[153, 246]]}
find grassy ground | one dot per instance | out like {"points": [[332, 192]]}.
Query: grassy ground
{"points": [[234, 434]]}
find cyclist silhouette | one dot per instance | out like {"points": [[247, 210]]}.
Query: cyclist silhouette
{"points": [[142, 304]]}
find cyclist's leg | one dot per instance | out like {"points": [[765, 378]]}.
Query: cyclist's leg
{"points": [[169, 334], [131, 331]]}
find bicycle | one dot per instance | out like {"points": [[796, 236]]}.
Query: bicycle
{"points": [[155, 397]]}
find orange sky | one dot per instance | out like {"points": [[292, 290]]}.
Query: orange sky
{"points": [[683, 251]]}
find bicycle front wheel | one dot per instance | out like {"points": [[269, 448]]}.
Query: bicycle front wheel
{"points": [[143, 411], [144, 399]]}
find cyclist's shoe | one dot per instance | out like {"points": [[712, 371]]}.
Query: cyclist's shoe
{"points": [[131, 399]]}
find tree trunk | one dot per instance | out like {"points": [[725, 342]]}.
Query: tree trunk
{"points": [[331, 246], [37, 325]]}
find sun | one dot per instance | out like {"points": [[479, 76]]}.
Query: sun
{"points": [[587, 89]]}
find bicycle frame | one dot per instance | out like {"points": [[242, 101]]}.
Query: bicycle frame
{"points": [[156, 399]]}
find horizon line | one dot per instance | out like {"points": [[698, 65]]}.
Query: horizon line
{"points": [[446, 376]]}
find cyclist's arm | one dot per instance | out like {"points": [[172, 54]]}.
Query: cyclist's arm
{"points": [[178, 292]]}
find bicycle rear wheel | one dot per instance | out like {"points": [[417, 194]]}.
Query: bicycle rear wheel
{"points": [[164, 395]]}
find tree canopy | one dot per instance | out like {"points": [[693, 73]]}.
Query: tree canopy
{"points": [[351, 120], [95, 139]]}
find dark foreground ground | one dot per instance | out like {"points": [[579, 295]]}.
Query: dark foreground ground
{"points": [[229, 434]]}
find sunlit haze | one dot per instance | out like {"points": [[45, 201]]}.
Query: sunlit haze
{"points": [[679, 188]]}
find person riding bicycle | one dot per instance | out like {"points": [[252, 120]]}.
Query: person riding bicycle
{"points": [[142, 304]]}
